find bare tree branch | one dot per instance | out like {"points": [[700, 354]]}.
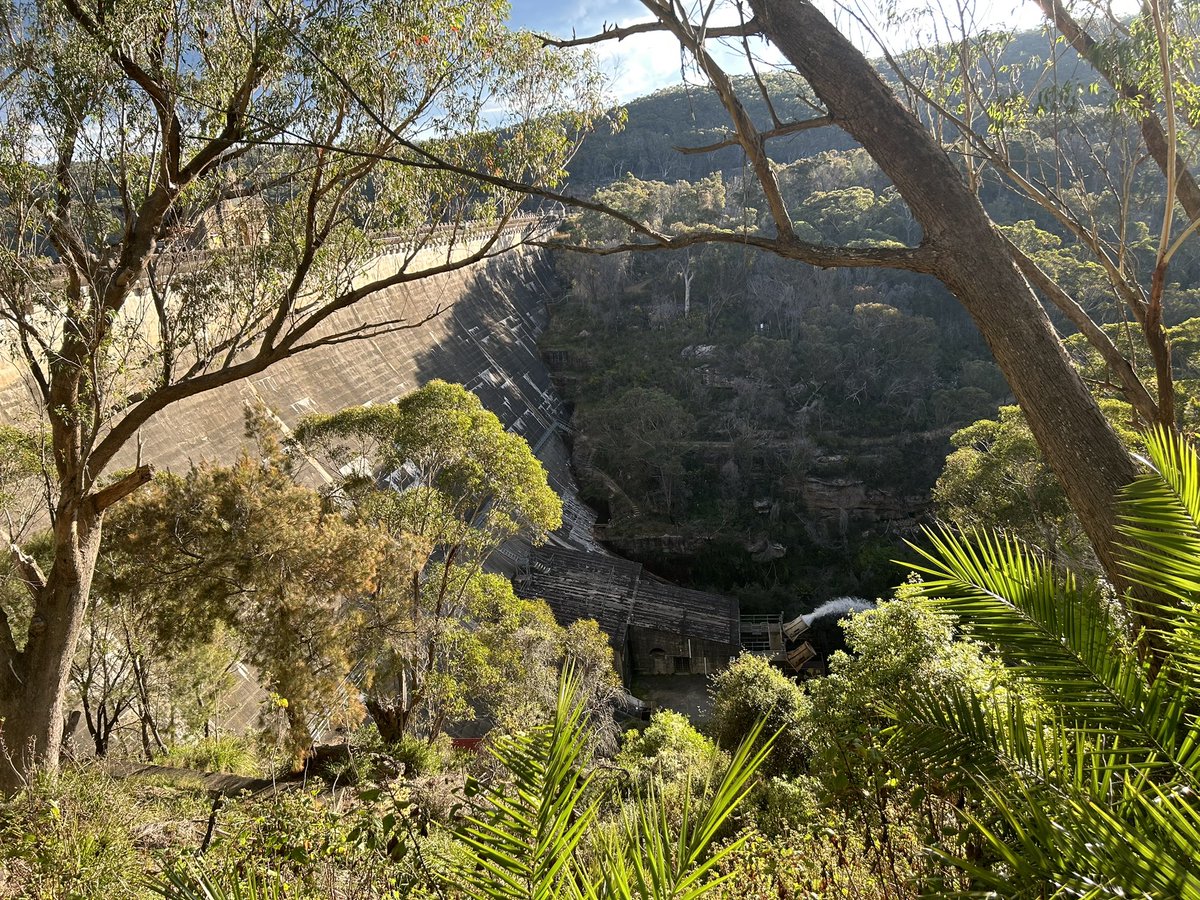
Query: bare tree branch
{"points": [[267, 355], [1130, 384], [1151, 126], [618, 33], [27, 569], [748, 135]]}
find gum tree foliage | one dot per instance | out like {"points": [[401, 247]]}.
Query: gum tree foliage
{"points": [[996, 477], [437, 468], [322, 599], [192, 192], [904, 648], [638, 436], [466, 485]]}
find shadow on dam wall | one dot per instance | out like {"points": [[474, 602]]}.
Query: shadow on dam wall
{"points": [[484, 334]]}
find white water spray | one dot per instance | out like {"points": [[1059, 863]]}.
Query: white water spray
{"points": [[838, 606]]}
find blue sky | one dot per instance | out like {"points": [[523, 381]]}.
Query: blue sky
{"points": [[585, 16], [636, 66], [643, 63]]}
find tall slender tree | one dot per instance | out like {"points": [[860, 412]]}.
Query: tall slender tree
{"points": [[194, 191]]}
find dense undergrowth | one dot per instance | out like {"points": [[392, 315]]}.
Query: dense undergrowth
{"points": [[825, 817], [999, 729]]}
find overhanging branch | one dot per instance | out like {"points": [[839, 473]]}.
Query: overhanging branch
{"points": [[910, 259], [619, 33]]}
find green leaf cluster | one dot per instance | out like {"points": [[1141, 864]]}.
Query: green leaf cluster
{"points": [[1086, 772]]}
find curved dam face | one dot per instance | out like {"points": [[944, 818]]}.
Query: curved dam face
{"points": [[485, 321]]}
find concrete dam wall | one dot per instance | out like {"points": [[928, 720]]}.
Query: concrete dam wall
{"points": [[486, 319]]}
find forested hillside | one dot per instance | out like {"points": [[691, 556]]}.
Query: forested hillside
{"points": [[781, 426], [940, 305], [778, 424]]}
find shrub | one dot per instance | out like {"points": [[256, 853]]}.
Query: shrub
{"points": [[418, 756], [669, 747], [216, 754], [752, 690]]}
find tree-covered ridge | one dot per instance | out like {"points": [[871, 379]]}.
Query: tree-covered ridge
{"points": [[654, 128], [1021, 724], [1017, 112], [727, 390]]}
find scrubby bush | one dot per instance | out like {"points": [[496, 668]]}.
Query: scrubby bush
{"points": [[831, 859], [420, 757], [668, 748], [752, 690], [86, 836]]}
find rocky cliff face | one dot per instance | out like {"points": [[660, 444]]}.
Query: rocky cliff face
{"points": [[836, 504]]}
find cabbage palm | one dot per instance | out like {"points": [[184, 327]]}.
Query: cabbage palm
{"points": [[1087, 771], [524, 840]]}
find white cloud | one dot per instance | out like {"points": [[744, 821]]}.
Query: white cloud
{"points": [[640, 64]]}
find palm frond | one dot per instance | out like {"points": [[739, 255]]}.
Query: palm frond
{"points": [[524, 835], [1064, 811], [1085, 775], [677, 864], [189, 882], [1057, 635], [1160, 520]]}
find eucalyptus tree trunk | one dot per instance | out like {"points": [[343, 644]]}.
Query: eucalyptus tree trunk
{"points": [[971, 259], [34, 679], [33, 688]]}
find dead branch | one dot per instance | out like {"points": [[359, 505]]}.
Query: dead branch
{"points": [[28, 569], [120, 489]]}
